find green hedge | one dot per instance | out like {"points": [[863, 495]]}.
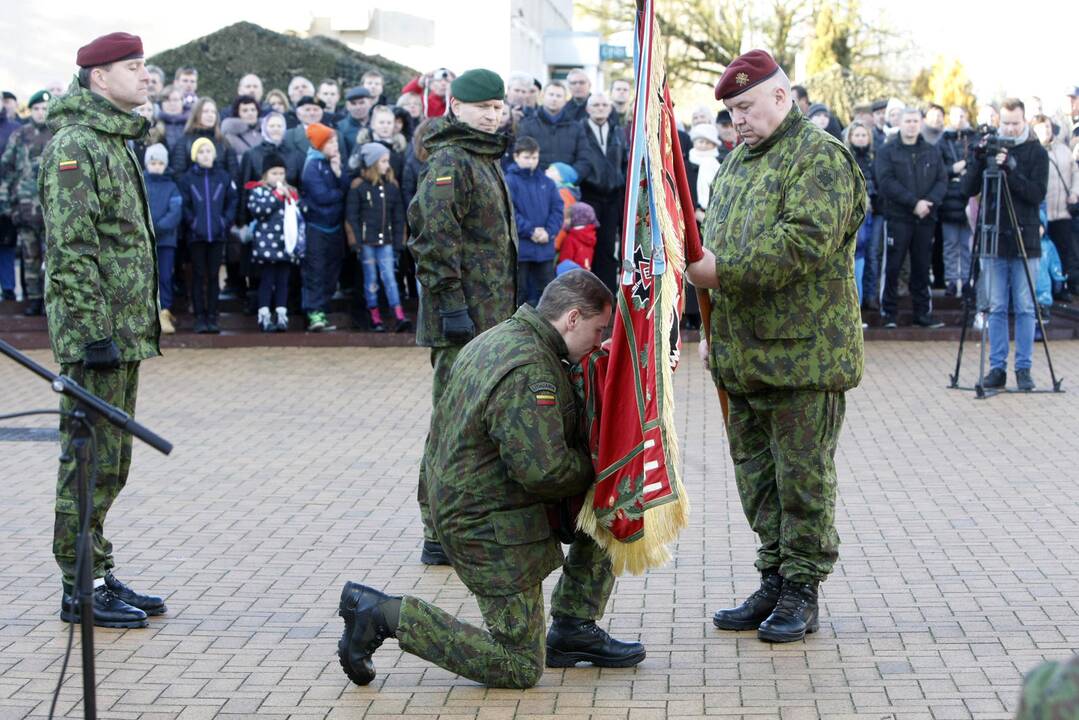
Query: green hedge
{"points": [[225, 56]]}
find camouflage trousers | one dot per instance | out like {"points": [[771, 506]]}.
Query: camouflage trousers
{"points": [[118, 387], [783, 445], [510, 653], [442, 359], [32, 245]]}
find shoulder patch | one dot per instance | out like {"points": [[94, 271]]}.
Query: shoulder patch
{"points": [[543, 387], [443, 180], [68, 165]]}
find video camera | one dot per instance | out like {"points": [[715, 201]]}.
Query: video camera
{"points": [[990, 142]]}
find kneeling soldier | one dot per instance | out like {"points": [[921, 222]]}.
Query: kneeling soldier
{"points": [[510, 443]]}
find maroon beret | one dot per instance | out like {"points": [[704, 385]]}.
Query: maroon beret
{"points": [[745, 71], [109, 48]]}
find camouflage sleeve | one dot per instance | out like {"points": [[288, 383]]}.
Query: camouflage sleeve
{"points": [[440, 206], [8, 183], [820, 198], [70, 203], [524, 417]]}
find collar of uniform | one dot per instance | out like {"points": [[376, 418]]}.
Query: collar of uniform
{"points": [[542, 327], [793, 119]]}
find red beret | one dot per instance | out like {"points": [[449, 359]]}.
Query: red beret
{"points": [[745, 71], [109, 48]]}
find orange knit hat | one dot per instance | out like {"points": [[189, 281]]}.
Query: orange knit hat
{"points": [[319, 134]]}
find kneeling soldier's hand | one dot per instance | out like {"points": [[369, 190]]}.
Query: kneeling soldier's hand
{"points": [[102, 355], [457, 326]]}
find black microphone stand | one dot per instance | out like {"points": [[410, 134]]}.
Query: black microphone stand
{"points": [[87, 406]]}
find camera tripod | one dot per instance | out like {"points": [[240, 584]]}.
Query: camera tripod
{"points": [[987, 245]]}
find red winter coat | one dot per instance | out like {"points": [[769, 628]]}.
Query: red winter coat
{"points": [[579, 245], [433, 105]]}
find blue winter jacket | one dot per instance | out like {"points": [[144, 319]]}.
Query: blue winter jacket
{"points": [[210, 200], [536, 203], [166, 208], [323, 193]]}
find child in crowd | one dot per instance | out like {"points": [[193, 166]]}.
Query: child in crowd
{"points": [[166, 211], [376, 214], [537, 208], [381, 129], [278, 239], [324, 187], [579, 245], [565, 177], [210, 200]]}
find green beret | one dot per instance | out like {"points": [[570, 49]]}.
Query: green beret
{"points": [[40, 96], [478, 85]]}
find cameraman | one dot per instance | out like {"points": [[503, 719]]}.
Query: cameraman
{"points": [[911, 179], [1024, 165]]}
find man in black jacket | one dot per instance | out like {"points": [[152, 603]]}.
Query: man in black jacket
{"points": [[561, 138], [955, 146], [911, 179], [603, 184], [1025, 165]]}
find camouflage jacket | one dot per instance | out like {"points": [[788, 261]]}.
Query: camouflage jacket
{"points": [[1051, 692], [463, 238], [507, 442], [19, 170], [783, 223], [100, 254]]}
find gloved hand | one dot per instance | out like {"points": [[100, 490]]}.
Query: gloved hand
{"points": [[457, 326], [101, 355]]}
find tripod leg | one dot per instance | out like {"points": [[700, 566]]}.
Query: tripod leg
{"points": [[1030, 286], [968, 303]]}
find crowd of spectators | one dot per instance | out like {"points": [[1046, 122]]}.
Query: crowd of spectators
{"points": [[301, 195]]}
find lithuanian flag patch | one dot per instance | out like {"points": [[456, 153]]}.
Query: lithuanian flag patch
{"points": [[544, 399], [66, 165], [443, 181]]}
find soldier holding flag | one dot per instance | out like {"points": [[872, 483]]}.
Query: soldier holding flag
{"points": [[786, 338]]}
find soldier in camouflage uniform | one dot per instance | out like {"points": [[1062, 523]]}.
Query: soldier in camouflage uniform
{"points": [[511, 444], [1051, 692], [19, 168], [464, 240], [100, 293], [786, 338]]}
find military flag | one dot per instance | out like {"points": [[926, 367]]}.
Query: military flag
{"points": [[638, 504]]}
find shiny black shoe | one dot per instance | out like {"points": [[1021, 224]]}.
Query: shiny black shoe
{"points": [[433, 554], [570, 641], [109, 610], [365, 629], [996, 378], [149, 604], [756, 608], [796, 614]]}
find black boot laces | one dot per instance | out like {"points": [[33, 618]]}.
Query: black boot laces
{"points": [[792, 600], [764, 592]]}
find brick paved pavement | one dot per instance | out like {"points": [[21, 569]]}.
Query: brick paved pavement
{"points": [[294, 471]]}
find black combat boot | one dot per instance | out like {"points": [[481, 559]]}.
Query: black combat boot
{"points": [[149, 604], [796, 614], [433, 554], [758, 606], [109, 610], [570, 641], [370, 617]]}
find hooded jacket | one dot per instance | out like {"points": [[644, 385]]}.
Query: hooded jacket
{"points": [[241, 137], [166, 207], [464, 237], [209, 203], [536, 203], [100, 255]]}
